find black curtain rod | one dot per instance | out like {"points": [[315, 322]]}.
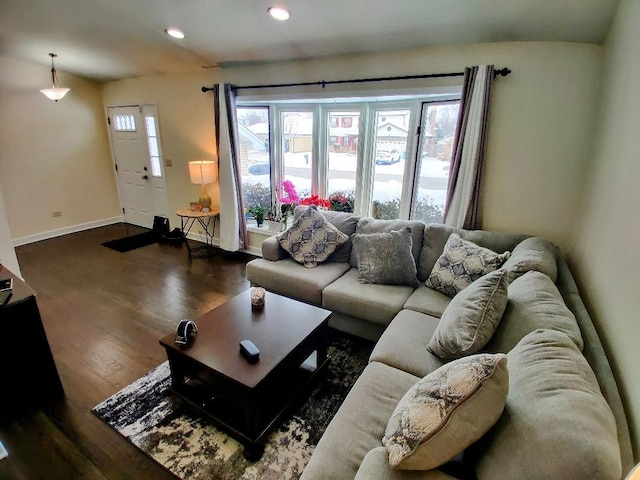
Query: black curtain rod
{"points": [[503, 72]]}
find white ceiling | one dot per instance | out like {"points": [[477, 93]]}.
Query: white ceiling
{"points": [[115, 39]]}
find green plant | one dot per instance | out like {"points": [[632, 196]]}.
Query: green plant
{"points": [[258, 212], [256, 194]]}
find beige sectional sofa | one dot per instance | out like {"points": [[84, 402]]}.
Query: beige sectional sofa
{"points": [[562, 419]]}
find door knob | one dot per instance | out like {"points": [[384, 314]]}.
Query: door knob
{"points": [[145, 177]]}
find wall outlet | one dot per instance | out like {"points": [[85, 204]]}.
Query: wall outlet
{"points": [[167, 162], [57, 213]]}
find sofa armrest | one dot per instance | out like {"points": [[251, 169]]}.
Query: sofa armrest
{"points": [[271, 249]]}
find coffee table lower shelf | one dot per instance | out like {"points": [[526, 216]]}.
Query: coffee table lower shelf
{"points": [[249, 416]]}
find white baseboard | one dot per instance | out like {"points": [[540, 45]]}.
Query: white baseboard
{"points": [[256, 251], [66, 230]]}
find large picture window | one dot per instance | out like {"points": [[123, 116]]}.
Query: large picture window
{"points": [[386, 159]]}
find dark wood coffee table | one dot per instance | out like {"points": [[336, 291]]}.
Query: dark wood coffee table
{"points": [[248, 401]]}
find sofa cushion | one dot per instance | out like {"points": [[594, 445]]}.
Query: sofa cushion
{"points": [[355, 430], [534, 302], [345, 222], [289, 278], [402, 345], [370, 225], [385, 258], [461, 263], [533, 253], [446, 411], [427, 300], [556, 424], [311, 238], [375, 466], [472, 317], [376, 303], [437, 234]]}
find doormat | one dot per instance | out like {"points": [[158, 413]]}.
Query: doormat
{"points": [[134, 241], [186, 445]]}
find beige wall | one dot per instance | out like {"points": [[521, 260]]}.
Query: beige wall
{"points": [[539, 140], [607, 241], [55, 156], [541, 121], [7, 253], [185, 119]]}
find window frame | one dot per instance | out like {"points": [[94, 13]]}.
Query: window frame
{"points": [[367, 134]]}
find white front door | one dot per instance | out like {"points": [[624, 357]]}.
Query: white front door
{"points": [[138, 163]]}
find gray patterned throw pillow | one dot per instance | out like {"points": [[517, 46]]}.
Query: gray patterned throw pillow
{"points": [[461, 263], [385, 258], [311, 239], [447, 411]]}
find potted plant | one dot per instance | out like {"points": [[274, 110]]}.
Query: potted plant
{"points": [[258, 212], [274, 219]]}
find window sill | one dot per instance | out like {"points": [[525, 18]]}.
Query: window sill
{"points": [[263, 230]]}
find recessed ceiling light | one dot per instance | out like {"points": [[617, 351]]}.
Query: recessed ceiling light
{"points": [[174, 32], [279, 13]]}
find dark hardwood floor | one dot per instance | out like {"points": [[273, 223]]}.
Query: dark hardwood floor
{"points": [[104, 312]]}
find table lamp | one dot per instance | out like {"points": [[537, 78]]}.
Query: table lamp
{"points": [[634, 474], [203, 172]]}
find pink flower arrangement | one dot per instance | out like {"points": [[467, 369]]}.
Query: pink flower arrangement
{"points": [[288, 201], [291, 197], [315, 200]]}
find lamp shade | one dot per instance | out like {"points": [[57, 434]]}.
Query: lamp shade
{"points": [[203, 172], [55, 93], [634, 474]]}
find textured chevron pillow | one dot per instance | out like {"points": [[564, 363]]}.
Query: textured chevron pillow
{"points": [[447, 411], [461, 263], [311, 239]]}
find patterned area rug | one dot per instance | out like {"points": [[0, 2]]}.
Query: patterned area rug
{"points": [[147, 415]]}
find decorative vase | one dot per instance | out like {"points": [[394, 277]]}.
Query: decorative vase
{"points": [[285, 221], [259, 221], [274, 226]]}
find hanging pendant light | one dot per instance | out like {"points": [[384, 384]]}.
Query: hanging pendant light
{"points": [[54, 93]]}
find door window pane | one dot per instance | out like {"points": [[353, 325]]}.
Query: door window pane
{"points": [[297, 139], [392, 131], [343, 158], [255, 165], [154, 150], [438, 131], [124, 123]]}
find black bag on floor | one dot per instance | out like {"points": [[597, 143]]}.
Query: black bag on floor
{"points": [[160, 225]]}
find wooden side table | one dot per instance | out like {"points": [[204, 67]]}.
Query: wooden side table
{"points": [[205, 219]]}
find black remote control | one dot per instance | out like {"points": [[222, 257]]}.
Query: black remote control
{"points": [[249, 351]]}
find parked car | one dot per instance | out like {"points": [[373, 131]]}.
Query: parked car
{"points": [[386, 157], [260, 169]]}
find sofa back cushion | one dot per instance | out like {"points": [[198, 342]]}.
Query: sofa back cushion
{"points": [[533, 302], [345, 222], [533, 253], [556, 423], [437, 234], [371, 225]]}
